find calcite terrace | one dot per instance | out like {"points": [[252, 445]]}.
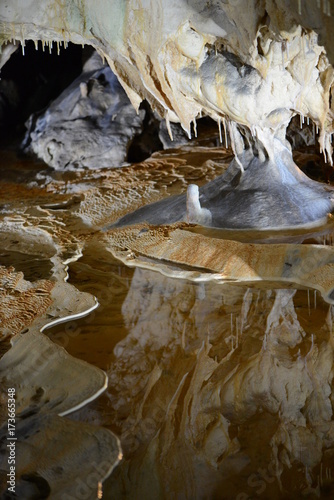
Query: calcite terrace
{"points": [[216, 340], [249, 67]]}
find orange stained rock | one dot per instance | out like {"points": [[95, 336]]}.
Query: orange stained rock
{"points": [[21, 301], [201, 258]]}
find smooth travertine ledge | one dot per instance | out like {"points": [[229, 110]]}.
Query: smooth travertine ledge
{"points": [[176, 252]]}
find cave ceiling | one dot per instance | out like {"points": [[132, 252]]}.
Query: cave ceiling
{"points": [[176, 297]]}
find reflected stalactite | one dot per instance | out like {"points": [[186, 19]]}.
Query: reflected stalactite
{"points": [[208, 401], [216, 389]]}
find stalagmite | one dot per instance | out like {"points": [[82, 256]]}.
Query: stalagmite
{"points": [[195, 213], [230, 66]]}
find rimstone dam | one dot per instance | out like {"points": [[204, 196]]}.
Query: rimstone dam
{"points": [[166, 249]]}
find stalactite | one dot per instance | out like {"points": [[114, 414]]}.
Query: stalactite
{"points": [[225, 133], [168, 126], [220, 131]]}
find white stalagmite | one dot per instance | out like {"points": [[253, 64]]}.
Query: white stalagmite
{"points": [[195, 213], [245, 62]]}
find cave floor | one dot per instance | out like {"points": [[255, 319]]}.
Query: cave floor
{"points": [[217, 388]]}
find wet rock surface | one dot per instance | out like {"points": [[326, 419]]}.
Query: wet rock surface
{"points": [[212, 348], [230, 61], [90, 125], [208, 382]]}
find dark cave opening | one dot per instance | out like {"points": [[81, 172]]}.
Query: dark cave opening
{"points": [[29, 82]]}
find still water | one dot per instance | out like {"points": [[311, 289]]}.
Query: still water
{"points": [[217, 391], [221, 391]]}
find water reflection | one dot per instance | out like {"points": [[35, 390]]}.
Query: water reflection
{"points": [[217, 383], [217, 391], [34, 267]]}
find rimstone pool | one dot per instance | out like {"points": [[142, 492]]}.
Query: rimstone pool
{"points": [[217, 388], [166, 249]]}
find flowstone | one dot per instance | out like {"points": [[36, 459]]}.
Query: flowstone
{"points": [[249, 67], [262, 190]]}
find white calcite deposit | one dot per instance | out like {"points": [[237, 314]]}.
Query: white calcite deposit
{"points": [[250, 67], [255, 65], [216, 389]]}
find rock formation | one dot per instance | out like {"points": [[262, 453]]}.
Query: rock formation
{"points": [[47, 381], [218, 375], [251, 68], [90, 125]]}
